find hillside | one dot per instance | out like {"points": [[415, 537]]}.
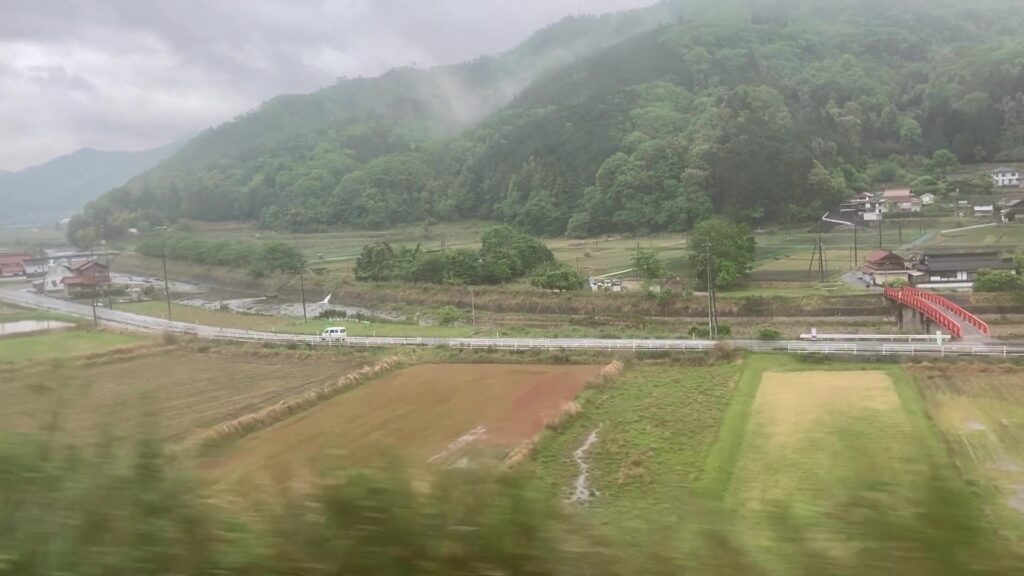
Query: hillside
{"points": [[765, 111], [62, 186]]}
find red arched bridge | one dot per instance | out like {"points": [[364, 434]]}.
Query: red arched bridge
{"points": [[944, 312]]}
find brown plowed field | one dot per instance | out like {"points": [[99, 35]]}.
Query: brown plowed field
{"points": [[178, 392], [419, 413]]}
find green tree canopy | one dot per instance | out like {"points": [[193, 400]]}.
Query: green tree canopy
{"points": [[731, 248]]}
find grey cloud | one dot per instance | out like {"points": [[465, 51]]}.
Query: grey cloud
{"points": [[130, 74]]}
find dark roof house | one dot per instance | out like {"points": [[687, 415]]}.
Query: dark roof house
{"points": [[958, 267]]}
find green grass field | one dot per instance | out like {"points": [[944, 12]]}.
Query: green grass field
{"points": [[792, 462], [58, 345], [655, 428], [1008, 238]]}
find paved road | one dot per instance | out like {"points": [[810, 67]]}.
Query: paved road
{"points": [[29, 299]]}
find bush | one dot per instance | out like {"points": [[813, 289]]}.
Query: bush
{"points": [[769, 335], [448, 315], [701, 331], [998, 281], [558, 276]]}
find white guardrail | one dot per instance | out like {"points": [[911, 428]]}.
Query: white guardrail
{"points": [[860, 348]]}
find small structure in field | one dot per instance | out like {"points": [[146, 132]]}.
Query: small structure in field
{"points": [[885, 266], [956, 269], [984, 210]]}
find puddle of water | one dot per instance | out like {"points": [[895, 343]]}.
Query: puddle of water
{"points": [[974, 426], [1016, 501], [581, 488], [30, 326]]}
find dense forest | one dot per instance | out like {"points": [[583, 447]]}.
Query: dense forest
{"points": [[762, 111]]}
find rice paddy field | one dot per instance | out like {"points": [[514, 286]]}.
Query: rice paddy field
{"points": [[1006, 238], [654, 429], [837, 463], [60, 345], [816, 441], [173, 393], [767, 460], [979, 410], [426, 414]]}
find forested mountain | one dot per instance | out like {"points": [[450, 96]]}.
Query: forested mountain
{"points": [[62, 186], [760, 110]]}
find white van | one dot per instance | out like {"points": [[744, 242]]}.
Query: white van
{"points": [[334, 334]]}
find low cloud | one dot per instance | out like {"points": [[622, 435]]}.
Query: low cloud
{"points": [[133, 74]]}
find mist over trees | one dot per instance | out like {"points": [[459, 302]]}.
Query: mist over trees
{"points": [[759, 111]]}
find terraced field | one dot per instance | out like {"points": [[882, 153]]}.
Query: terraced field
{"points": [[432, 413]]}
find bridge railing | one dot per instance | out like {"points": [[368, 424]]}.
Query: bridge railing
{"points": [[918, 303], [971, 319]]}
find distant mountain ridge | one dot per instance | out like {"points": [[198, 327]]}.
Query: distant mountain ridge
{"points": [[764, 111], [61, 187]]}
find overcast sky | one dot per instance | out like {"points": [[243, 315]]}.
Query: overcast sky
{"points": [[134, 74]]}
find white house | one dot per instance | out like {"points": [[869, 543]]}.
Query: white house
{"points": [[927, 198], [1006, 176], [984, 210], [53, 281]]}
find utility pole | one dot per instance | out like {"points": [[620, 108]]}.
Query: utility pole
{"points": [[900, 228], [302, 280], [879, 234], [110, 297], [472, 304], [95, 318], [167, 287], [712, 312], [302, 291], [856, 256]]}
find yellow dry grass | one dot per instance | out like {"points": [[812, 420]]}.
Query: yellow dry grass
{"points": [[789, 403]]}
